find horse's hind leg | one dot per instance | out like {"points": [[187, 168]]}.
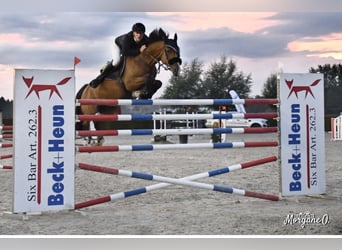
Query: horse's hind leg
{"points": [[84, 125], [105, 125], [99, 139]]}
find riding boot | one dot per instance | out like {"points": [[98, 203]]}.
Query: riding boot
{"points": [[104, 73]]}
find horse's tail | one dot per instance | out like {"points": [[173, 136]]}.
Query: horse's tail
{"points": [[78, 110]]}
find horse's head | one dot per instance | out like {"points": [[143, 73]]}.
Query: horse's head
{"points": [[170, 53]]}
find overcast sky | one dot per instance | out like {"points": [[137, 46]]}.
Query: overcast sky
{"points": [[291, 32], [257, 41]]}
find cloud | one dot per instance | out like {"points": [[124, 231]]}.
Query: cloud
{"points": [[299, 24], [315, 34], [271, 41], [258, 40], [175, 5], [52, 38], [68, 25], [216, 42], [61, 35]]}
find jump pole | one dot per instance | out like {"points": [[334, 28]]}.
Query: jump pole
{"points": [[166, 181], [2, 157], [6, 128], [151, 147], [174, 102], [6, 136], [6, 167], [180, 131], [150, 117], [6, 145]]}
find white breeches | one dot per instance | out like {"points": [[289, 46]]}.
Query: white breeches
{"points": [[116, 54]]}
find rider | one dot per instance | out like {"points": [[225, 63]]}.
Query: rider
{"points": [[129, 44]]}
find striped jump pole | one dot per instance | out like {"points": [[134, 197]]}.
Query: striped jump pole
{"points": [[174, 102], [166, 181], [6, 128], [6, 167], [151, 147], [151, 117], [180, 131], [6, 136], [6, 145], [2, 157]]}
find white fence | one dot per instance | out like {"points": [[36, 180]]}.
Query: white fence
{"points": [[336, 128]]}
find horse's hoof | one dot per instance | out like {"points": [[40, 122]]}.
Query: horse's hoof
{"points": [[100, 142], [144, 95], [136, 94]]}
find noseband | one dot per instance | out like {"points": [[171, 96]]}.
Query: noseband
{"points": [[169, 61]]}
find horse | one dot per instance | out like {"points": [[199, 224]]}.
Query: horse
{"points": [[138, 75]]}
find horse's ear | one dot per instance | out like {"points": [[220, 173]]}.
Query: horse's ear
{"points": [[175, 37]]}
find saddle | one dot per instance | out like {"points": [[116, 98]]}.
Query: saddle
{"points": [[114, 72], [109, 72]]}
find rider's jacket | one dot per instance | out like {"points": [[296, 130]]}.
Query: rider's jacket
{"points": [[128, 46]]}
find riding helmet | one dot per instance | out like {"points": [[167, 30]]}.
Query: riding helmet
{"points": [[138, 27]]}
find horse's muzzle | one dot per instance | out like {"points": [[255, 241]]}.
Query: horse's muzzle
{"points": [[175, 69]]}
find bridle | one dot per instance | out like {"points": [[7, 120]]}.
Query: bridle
{"points": [[169, 61]]}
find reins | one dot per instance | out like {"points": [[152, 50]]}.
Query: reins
{"points": [[160, 63]]}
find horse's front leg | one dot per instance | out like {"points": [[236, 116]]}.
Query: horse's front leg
{"points": [[149, 89], [154, 87]]}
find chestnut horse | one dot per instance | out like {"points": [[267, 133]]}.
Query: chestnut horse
{"points": [[138, 76]]}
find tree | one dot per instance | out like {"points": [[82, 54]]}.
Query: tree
{"points": [[270, 87], [269, 91], [332, 87], [221, 77], [332, 74], [187, 84], [6, 107]]}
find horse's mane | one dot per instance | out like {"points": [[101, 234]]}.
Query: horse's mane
{"points": [[158, 34]]}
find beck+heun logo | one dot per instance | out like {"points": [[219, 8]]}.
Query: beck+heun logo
{"points": [[37, 88], [296, 89]]}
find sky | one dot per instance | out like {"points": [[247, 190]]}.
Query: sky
{"points": [[259, 42], [258, 34]]}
